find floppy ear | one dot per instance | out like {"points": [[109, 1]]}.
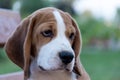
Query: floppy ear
{"points": [[77, 45], [27, 48], [18, 45]]}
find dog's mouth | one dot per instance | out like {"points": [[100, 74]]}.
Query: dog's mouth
{"points": [[56, 69], [42, 68]]}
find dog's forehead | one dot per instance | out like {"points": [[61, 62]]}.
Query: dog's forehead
{"points": [[64, 21], [65, 17], [48, 15]]}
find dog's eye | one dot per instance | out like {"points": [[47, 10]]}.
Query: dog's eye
{"points": [[47, 33], [71, 36]]}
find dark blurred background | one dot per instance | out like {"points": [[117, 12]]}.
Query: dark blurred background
{"points": [[99, 22]]}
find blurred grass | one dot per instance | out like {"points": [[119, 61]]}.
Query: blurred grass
{"points": [[100, 64], [6, 66]]}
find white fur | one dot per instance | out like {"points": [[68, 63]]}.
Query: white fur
{"points": [[48, 55]]}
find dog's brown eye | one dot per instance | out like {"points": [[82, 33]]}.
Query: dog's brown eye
{"points": [[47, 33], [71, 37]]}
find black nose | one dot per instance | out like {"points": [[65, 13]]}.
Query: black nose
{"points": [[66, 57]]}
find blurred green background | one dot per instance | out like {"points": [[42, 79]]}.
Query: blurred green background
{"points": [[101, 38]]}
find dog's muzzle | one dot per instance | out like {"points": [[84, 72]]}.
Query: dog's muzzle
{"points": [[66, 57]]}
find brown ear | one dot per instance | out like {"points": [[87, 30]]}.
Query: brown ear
{"points": [[77, 45], [19, 44], [27, 48]]}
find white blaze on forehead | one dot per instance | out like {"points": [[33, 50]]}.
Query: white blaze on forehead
{"points": [[60, 22], [61, 28]]}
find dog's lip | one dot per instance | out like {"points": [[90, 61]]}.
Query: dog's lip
{"points": [[58, 69], [42, 68]]}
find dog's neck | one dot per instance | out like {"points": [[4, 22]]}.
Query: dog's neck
{"points": [[37, 74]]}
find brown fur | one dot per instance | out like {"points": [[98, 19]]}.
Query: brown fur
{"points": [[23, 43]]}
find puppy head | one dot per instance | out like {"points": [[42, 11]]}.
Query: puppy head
{"points": [[50, 39]]}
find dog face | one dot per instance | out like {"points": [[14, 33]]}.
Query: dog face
{"points": [[53, 40], [47, 40]]}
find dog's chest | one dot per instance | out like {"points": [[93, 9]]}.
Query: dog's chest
{"points": [[62, 75]]}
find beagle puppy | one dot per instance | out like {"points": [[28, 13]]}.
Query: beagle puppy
{"points": [[47, 45]]}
